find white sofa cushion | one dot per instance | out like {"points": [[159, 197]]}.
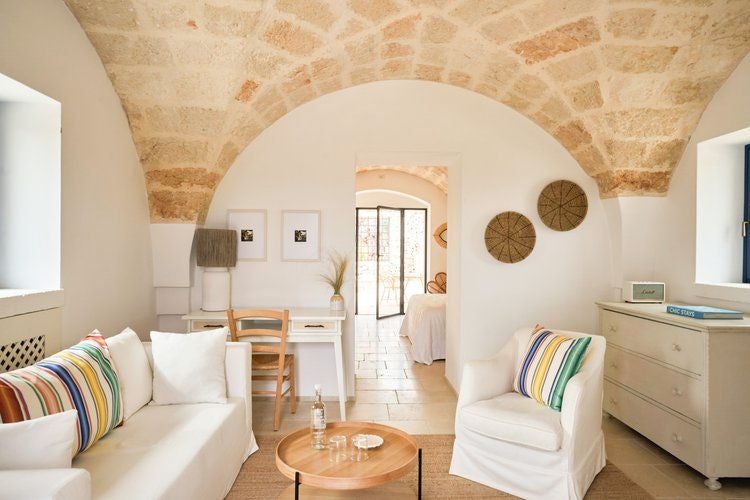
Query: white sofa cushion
{"points": [[169, 452], [516, 419], [189, 368], [45, 484], [47, 442], [133, 369]]}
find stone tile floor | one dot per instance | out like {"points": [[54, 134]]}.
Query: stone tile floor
{"points": [[394, 390]]}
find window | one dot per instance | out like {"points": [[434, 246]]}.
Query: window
{"points": [[30, 140], [746, 221]]}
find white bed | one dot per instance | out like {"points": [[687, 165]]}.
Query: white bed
{"points": [[424, 324]]}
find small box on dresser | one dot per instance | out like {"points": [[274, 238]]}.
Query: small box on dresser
{"points": [[682, 383]]}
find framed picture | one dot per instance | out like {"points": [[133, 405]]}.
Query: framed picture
{"points": [[300, 235], [251, 233]]}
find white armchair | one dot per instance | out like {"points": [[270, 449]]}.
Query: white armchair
{"points": [[515, 444]]}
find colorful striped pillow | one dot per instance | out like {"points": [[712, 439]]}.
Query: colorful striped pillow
{"points": [[549, 362], [81, 377]]}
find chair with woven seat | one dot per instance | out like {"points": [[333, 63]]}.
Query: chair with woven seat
{"points": [[267, 357]]}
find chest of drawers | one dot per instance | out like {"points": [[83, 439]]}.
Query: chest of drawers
{"points": [[682, 383]]}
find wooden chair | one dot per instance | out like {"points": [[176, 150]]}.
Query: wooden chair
{"points": [[268, 357]]}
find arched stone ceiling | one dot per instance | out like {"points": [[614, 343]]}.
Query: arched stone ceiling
{"points": [[620, 84], [438, 176]]}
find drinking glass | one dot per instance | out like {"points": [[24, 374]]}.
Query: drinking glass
{"points": [[359, 448], [337, 449]]}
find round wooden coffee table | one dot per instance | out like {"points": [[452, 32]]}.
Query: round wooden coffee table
{"points": [[395, 458]]}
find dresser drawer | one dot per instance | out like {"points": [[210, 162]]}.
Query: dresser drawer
{"points": [[673, 389], [681, 439], [314, 326], [677, 346]]}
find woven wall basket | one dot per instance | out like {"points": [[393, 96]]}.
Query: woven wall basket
{"points": [[562, 205], [510, 237]]}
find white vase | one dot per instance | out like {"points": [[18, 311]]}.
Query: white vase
{"points": [[217, 289], [337, 302]]}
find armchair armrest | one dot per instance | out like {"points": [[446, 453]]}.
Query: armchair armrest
{"points": [[486, 378], [57, 484], [581, 413]]}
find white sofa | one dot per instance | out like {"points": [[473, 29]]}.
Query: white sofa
{"points": [[512, 443], [191, 451]]}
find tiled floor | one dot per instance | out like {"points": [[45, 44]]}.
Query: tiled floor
{"points": [[393, 389]]}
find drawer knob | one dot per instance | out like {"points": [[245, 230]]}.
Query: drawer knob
{"points": [[612, 328], [676, 347], [676, 391], [613, 365], [612, 401], [676, 438]]}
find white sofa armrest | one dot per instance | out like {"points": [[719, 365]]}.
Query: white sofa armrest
{"points": [[45, 484], [581, 413], [487, 378], [238, 376]]}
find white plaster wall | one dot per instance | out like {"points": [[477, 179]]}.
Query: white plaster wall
{"points": [[422, 189], [106, 254], [501, 162], [658, 239]]}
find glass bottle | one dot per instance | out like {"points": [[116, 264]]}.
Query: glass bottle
{"points": [[318, 421]]}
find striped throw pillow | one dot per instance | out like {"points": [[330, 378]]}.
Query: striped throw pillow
{"points": [[81, 378], [549, 362]]}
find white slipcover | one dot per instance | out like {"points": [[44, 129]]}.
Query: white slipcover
{"points": [[554, 455], [424, 324], [45, 484]]}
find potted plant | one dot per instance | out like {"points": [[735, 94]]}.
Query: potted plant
{"points": [[335, 278]]}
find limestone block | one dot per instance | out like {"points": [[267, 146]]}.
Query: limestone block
{"points": [[573, 134], [586, 96], [564, 39], [630, 23], [406, 27], [313, 11], [228, 21], [438, 30], [638, 59], [291, 38], [374, 10]]}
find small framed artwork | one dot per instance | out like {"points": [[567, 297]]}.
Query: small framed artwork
{"points": [[251, 233], [300, 235]]}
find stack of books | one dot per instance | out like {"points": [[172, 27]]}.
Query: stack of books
{"points": [[703, 312]]}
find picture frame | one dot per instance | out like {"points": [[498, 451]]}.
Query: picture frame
{"points": [[252, 238], [300, 235]]}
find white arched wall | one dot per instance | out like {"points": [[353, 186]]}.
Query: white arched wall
{"points": [[501, 161], [419, 188]]}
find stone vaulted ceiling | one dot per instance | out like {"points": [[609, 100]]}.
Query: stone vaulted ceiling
{"points": [[438, 176], [620, 84]]}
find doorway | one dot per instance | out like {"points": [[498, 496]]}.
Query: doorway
{"points": [[391, 259]]}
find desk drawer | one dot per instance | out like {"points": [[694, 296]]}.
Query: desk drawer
{"points": [[677, 346], [681, 439], [314, 326], [673, 389], [199, 326]]}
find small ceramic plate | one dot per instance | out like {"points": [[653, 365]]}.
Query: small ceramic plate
{"points": [[373, 441]]}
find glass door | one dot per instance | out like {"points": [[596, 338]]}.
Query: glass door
{"points": [[414, 253], [390, 266]]}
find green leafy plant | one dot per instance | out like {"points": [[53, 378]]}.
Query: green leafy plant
{"points": [[336, 276]]}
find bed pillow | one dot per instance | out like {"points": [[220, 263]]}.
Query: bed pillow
{"points": [[189, 367], [548, 363], [81, 378], [133, 369], [40, 443]]}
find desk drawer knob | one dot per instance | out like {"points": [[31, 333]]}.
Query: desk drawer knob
{"points": [[676, 391], [676, 438], [613, 365], [676, 347], [612, 328], [612, 401]]}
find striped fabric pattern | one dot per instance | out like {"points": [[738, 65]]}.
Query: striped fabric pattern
{"points": [[81, 377], [549, 362]]}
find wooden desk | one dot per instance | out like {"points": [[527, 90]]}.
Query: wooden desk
{"points": [[305, 325]]}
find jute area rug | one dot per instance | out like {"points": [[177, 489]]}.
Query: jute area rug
{"points": [[259, 478]]}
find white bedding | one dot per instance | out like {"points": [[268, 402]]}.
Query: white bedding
{"points": [[424, 324]]}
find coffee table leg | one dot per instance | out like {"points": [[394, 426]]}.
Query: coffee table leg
{"points": [[296, 485], [419, 477]]}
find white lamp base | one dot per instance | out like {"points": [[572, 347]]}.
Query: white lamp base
{"points": [[216, 289]]}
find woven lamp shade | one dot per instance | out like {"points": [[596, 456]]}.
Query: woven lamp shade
{"points": [[510, 237], [216, 247], [562, 205]]}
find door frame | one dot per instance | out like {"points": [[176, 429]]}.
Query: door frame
{"points": [[377, 259]]}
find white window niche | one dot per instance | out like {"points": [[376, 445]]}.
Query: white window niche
{"points": [[720, 184]]}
